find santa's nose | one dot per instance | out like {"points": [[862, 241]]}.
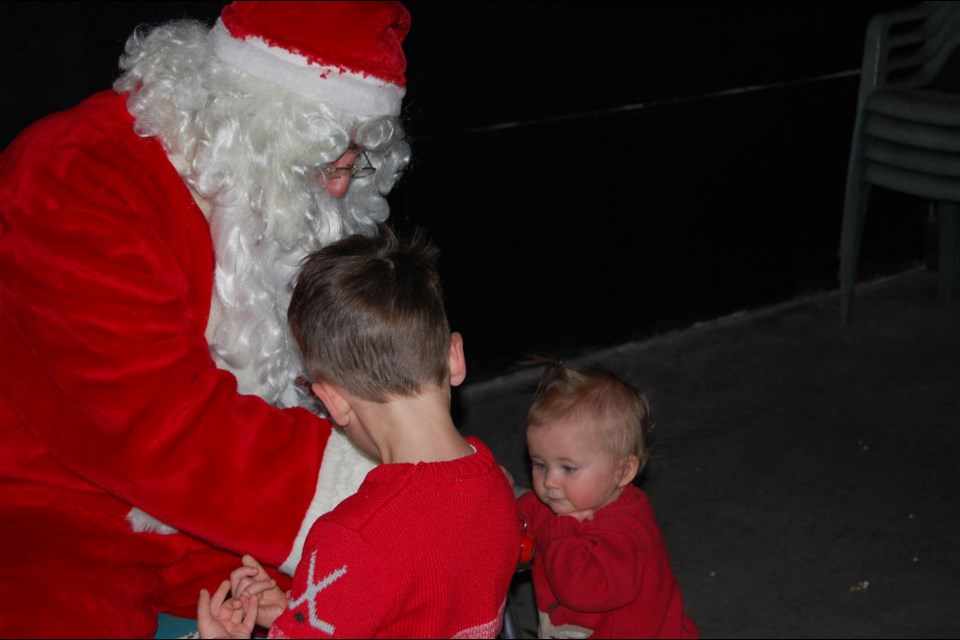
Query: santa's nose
{"points": [[337, 175]]}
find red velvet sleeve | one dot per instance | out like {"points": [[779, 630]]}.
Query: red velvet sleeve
{"points": [[106, 269]]}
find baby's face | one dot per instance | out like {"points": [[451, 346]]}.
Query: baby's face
{"points": [[570, 471]]}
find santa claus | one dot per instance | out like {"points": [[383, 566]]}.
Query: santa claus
{"points": [[150, 412]]}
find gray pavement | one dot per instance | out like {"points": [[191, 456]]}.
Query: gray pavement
{"points": [[804, 473]]}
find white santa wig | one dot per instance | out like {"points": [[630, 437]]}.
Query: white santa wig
{"points": [[254, 150]]}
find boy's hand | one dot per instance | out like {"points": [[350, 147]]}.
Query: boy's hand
{"points": [[218, 617], [253, 581]]}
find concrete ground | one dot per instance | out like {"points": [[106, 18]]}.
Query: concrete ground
{"points": [[804, 473]]}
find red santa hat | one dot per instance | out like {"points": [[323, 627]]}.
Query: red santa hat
{"points": [[345, 54]]}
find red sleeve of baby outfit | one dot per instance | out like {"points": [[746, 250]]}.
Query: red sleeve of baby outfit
{"points": [[592, 565]]}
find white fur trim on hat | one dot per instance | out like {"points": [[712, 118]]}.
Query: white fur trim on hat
{"points": [[352, 92]]}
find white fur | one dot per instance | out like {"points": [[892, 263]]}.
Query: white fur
{"points": [[142, 522]]}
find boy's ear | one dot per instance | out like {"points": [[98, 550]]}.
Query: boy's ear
{"points": [[335, 403], [629, 469], [457, 363]]}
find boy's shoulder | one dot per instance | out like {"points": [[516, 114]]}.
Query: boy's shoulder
{"points": [[394, 489], [381, 487]]}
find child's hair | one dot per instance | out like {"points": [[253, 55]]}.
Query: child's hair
{"points": [[368, 315], [620, 411]]}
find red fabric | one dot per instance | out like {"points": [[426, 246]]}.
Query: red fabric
{"points": [[361, 37], [610, 576], [420, 551], [108, 395]]}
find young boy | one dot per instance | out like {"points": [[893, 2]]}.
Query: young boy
{"points": [[601, 567], [428, 545]]}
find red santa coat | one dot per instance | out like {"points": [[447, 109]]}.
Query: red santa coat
{"points": [[109, 398]]}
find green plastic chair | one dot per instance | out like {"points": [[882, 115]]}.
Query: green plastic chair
{"points": [[906, 134]]}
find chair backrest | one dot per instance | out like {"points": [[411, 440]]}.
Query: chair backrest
{"points": [[909, 48]]}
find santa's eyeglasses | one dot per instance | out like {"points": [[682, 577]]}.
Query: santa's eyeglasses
{"points": [[352, 170]]}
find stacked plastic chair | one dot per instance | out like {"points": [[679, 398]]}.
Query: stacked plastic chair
{"points": [[907, 131]]}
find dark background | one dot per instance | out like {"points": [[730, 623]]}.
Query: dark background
{"points": [[594, 172]]}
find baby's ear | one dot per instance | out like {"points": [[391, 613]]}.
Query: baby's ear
{"points": [[629, 467], [335, 402]]}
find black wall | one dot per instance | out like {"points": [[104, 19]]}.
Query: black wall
{"points": [[594, 172]]}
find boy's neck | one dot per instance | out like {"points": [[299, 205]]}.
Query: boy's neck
{"points": [[415, 429]]}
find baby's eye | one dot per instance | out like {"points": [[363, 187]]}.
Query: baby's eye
{"points": [[537, 465], [569, 468]]}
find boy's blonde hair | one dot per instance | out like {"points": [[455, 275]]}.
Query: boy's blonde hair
{"points": [[619, 411], [368, 315]]}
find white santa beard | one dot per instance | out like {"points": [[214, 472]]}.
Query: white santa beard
{"points": [[257, 265], [247, 330]]}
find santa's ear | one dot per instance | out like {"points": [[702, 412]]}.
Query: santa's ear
{"points": [[334, 401]]}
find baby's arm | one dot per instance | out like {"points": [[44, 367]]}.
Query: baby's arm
{"points": [[590, 566]]}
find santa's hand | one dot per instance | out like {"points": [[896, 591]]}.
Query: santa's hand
{"points": [[218, 619], [253, 581], [250, 575]]}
